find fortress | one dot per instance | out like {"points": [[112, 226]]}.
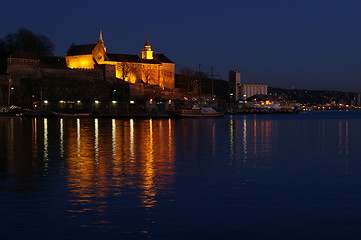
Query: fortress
{"points": [[149, 68], [93, 64]]}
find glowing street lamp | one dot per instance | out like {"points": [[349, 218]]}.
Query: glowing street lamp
{"points": [[11, 89]]}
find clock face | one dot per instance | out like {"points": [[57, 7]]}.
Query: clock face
{"points": [[99, 56]]}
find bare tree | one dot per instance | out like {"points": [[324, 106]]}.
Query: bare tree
{"points": [[148, 74], [126, 68]]}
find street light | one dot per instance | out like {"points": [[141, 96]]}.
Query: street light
{"points": [[114, 94], [11, 89]]}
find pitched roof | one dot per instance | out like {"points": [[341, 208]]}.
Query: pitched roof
{"points": [[162, 58], [123, 57], [84, 49]]}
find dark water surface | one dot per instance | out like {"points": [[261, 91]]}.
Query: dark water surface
{"points": [[292, 176]]}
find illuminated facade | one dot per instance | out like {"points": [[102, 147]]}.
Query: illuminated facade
{"points": [[246, 90], [150, 68]]}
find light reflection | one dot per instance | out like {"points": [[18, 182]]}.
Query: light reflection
{"points": [[343, 137], [34, 137], [61, 137], [245, 152], [78, 136], [96, 138], [114, 140], [131, 138], [231, 138], [135, 154], [149, 191], [213, 139], [255, 142], [46, 143]]}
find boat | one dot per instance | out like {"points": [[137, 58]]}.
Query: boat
{"points": [[72, 115], [197, 111]]}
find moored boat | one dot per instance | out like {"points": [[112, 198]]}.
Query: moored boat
{"points": [[196, 111]]}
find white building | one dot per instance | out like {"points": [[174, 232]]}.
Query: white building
{"points": [[246, 90], [242, 91]]}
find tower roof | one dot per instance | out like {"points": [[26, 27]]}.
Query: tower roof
{"points": [[101, 36], [146, 42]]}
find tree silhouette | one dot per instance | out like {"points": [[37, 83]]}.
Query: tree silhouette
{"points": [[25, 40]]}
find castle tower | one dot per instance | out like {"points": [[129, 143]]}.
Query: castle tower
{"points": [[147, 52], [101, 40], [101, 36]]}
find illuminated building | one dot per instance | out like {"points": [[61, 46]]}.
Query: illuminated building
{"points": [[148, 69], [246, 90], [242, 91]]}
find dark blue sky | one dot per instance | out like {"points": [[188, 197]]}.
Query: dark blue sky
{"points": [[308, 44]]}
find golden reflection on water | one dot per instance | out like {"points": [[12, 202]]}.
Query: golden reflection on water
{"points": [[148, 196], [96, 138], [114, 155], [61, 137], [46, 143], [34, 138]]}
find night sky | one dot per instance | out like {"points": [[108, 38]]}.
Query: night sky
{"points": [[304, 44]]}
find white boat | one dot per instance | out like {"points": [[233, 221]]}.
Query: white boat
{"points": [[197, 111]]}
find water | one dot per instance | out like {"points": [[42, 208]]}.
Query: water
{"points": [[292, 176]]}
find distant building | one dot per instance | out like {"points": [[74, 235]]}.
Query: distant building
{"points": [[242, 91], [234, 79], [149, 68], [246, 90], [358, 101]]}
